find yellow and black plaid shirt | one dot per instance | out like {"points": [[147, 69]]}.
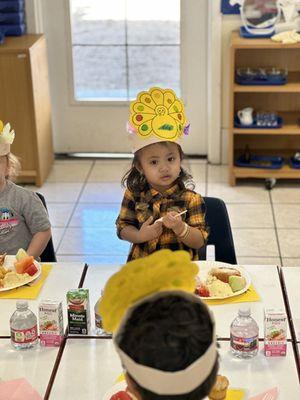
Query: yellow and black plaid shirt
{"points": [[137, 208]]}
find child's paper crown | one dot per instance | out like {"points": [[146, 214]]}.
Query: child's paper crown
{"points": [[155, 116], [6, 138]]}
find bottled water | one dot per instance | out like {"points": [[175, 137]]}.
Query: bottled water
{"points": [[98, 321], [244, 335], [23, 327]]}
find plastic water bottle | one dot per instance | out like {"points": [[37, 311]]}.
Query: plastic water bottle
{"points": [[98, 320], [244, 335], [23, 327]]}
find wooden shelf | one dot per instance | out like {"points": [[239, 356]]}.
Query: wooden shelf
{"points": [[283, 99], [291, 87], [285, 172]]}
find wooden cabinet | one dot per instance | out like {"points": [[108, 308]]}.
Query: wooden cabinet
{"points": [[25, 103], [284, 99]]}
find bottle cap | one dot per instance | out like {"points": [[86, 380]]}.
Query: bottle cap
{"points": [[22, 304], [244, 312]]}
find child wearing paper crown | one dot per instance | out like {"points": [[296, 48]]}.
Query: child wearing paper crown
{"points": [[162, 332], [24, 222], [156, 190]]}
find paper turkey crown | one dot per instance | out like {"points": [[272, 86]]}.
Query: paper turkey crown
{"points": [[155, 116], [6, 138]]}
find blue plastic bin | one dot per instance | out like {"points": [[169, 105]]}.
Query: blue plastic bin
{"points": [[11, 6], [12, 18]]}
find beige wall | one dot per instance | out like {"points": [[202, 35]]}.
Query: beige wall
{"points": [[229, 23]]}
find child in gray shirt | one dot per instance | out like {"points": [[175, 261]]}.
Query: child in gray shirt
{"points": [[24, 221]]}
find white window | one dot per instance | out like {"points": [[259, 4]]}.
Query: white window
{"points": [[120, 47]]}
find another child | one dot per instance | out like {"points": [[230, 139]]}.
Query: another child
{"points": [[156, 184], [165, 338], [24, 222]]}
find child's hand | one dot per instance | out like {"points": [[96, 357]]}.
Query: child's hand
{"points": [[150, 232], [174, 222]]}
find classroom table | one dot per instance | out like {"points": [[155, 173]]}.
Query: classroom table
{"points": [[291, 276], [35, 364], [265, 279], [62, 277], [89, 367]]}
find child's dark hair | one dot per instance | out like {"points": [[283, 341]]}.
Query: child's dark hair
{"points": [[169, 334], [136, 182]]}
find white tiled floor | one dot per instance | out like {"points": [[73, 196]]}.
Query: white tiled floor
{"points": [[83, 198]]}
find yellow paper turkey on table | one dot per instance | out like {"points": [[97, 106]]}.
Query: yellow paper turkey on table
{"points": [[156, 115]]}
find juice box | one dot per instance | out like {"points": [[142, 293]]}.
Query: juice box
{"points": [[51, 323], [275, 332], [78, 311]]}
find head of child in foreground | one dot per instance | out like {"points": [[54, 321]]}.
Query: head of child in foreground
{"points": [[168, 334], [157, 164], [9, 167]]}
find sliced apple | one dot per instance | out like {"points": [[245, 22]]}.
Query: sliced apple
{"points": [[237, 283]]}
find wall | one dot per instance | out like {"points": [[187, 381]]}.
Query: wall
{"points": [[229, 23]]}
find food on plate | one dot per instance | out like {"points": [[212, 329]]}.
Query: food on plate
{"points": [[224, 273], [202, 290], [2, 259], [21, 254], [219, 390], [21, 265], [13, 279], [237, 283], [218, 288], [121, 395]]}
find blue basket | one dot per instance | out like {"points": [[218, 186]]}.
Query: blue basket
{"points": [[247, 35], [12, 18], [265, 162], [11, 6], [13, 30], [256, 81], [237, 124], [294, 163]]}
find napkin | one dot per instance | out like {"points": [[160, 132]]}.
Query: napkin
{"points": [[18, 389], [28, 291], [250, 295], [235, 394], [270, 394]]}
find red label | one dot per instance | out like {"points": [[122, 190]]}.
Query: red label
{"points": [[24, 335]]}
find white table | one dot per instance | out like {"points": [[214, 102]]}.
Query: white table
{"points": [[89, 367], [265, 279], [291, 277], [34, 364], [62, 277]]}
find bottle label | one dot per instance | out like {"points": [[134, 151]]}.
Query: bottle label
{"points": [[245, 345], [24, 335]]}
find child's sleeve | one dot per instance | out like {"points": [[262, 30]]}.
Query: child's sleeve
{"points": [[35, 214], [196, 215], [127, 214]]}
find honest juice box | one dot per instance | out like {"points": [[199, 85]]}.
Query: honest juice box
{"points": [[275, 332], [51, 323], [78, 311]]}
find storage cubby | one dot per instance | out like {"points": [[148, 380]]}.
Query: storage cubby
{"points": [[282, 99]]}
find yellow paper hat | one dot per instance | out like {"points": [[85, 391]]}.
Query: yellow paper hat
{"points": [[155, 116], [6, 138]]}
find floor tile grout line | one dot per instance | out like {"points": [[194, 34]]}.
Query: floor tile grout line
{"points": [[275, 227], [75, 205]]}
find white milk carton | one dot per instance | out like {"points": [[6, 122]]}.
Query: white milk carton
{"points": [[275, 332], [51, 323]]}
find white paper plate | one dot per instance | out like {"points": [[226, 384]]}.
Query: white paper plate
{"points": [[9, 263], [206, 266]]}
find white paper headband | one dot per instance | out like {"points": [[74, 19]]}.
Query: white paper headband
{"points": [[165, 382]]}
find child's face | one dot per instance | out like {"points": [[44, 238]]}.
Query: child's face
{"points": [[3, 168], [160, 163]]}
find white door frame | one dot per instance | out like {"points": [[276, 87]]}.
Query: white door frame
{"points": [[214, 65]]}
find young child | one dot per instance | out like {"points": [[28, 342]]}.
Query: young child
{"points": [[156, 184], [165, 338], [24, 222]]}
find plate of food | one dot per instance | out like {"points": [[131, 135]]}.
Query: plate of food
{"points": [[217, 280], [18, 270]]}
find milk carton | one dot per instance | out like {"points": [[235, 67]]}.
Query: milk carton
{"points": [[275, 332], [51, 323], [78, 311]]}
